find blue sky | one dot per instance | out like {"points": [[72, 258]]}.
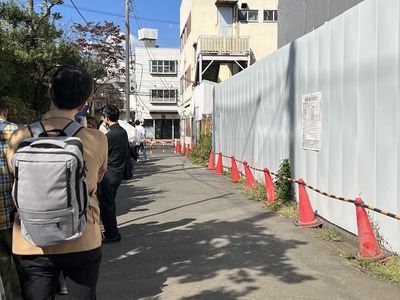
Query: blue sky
{"points": [[160, 14]]}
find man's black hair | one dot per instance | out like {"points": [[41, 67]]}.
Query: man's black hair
{"points": [[111, 111], [137, 122], [70, 87]]}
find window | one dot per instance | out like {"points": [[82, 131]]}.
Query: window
{"points": [[246, 15], [163, 66], [186, 31], [270, 15], [163, 96], [186, 80]]}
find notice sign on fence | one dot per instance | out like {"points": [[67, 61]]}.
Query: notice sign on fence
{"points": [[312, 121]]}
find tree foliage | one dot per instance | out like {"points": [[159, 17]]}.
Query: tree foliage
{"points": [[101, 47], [34, 48], [15, 108], [101, 50], [33, 45]]}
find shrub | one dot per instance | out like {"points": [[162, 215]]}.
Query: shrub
{"points": [[284, 188], [200, 154]]}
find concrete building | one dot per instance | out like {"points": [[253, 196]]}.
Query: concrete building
{"points": [[219, 38], [299, 17], [155, 87]]}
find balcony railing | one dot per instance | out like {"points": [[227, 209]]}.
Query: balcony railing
{"points": [[223, 45]]}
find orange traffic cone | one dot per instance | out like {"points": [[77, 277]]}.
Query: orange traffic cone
{"points": [[269, 185], [211, 161], [369, 248], [183, 151], [178, 148], [235, 171], [249, 177], [307, 215], [218, 169], [187, 150]]}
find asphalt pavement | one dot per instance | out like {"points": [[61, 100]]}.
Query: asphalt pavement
{"points": [[189, 234]]}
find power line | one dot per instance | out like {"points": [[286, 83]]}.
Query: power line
{"points": [[121, 15], [148, 50], [78, 11]]}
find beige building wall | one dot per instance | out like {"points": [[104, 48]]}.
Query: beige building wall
{"points": [[263, 35], [200, 18]]}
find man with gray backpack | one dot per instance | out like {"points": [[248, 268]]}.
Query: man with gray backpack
{"points": [[57, 164]]}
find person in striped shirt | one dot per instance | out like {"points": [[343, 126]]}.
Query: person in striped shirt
{"points": [[6, 205]]}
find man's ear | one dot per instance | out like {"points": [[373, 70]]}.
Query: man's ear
{"points": [[50, 92], [81, 106]]}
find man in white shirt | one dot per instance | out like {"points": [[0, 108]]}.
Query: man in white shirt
{"points": [[140, 140]]}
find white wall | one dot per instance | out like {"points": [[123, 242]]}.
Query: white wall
{"points": [[353, 61], [145, 81], [203, 99]]}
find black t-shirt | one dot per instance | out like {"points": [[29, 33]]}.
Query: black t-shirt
{"points": [[117, 148]]}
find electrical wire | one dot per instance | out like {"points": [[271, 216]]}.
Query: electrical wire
{"points": [[148, 50], [76, 8], [121, 15]]}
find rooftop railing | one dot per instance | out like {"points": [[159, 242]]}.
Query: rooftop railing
{"points": [[223, 45]]}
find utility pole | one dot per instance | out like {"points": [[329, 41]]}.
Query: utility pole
{"points": [[127, 57], [29, 6]]}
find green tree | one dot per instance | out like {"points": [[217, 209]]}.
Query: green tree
{"points": [[35, 48]]}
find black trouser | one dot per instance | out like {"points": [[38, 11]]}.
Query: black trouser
{"points": [[5, 261], [80, 269], [107, 192]]}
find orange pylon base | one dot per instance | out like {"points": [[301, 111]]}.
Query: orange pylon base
{"points": [[316, 223], [307, 215]]}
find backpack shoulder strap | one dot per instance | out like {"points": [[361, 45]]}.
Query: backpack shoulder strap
{"points": [[36, 128], [72, 128], [3, 125]]}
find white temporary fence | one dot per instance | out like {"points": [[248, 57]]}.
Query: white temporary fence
{"points": [[330, 103]]}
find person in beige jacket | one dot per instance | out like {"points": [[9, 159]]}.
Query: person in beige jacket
{"points": [[78, 260]]}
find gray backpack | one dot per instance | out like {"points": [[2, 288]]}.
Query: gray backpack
{"points": [[49, 188]]}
